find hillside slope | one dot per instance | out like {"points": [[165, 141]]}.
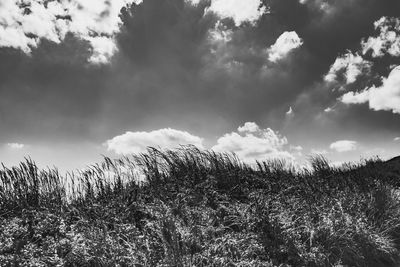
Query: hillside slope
{"points": [[200, 208]]}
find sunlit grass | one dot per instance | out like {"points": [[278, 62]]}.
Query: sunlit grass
{"points": [[190, 207]]}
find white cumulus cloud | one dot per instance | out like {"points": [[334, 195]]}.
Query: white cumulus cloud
{"points": [[388, 39], [193, 2], [290, 111], [16, 146], [343, 145], [249, 143], [252, 143], [351, 65], [385, 97], [355, 98], [240, 11], [249, 127], [23, 23], [137, 142], [285, 43]]}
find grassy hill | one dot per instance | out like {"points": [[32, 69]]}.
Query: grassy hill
{"points": [[188, 207]]}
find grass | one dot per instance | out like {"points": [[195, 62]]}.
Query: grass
{"points": [[189, 207]]}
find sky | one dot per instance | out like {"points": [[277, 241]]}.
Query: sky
{"points": [[286, 79]]}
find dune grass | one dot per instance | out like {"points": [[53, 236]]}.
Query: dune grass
{"points": [[189, 207]]}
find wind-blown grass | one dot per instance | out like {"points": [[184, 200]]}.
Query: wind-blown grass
{"points": [[189, 207]]}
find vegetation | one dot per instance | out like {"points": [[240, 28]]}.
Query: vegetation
{"points": [[188, 207]]}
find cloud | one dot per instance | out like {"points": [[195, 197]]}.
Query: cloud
{"points": [[249, 127], [103, 48], [355, 98], [220, 34], [350, 65], [324, 6], [296, 148], [385, 97], [388, 39], [396, 139], [285, 43], [15, 146], [240, 11], [137, 142], [24, 25], [343, 146], [290, 111], [252, 143], [193, 2]]}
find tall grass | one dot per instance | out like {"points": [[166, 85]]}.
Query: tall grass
{"points": [[191, 207]]}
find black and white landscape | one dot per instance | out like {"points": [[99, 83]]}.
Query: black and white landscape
{"points": [[200, 133]]}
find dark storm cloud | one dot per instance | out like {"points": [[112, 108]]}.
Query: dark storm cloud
{"points": [[171, 71], [52, 92], [170, 62]]}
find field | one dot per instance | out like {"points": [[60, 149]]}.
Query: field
{"points": [[189, 207]]}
